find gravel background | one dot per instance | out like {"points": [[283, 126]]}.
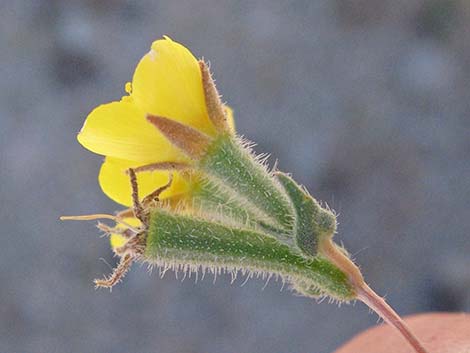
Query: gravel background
{"points": [[366, 102]]}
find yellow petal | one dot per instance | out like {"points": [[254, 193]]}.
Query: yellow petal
{"points": [[119, 129], [117, 240], [116, 185], [230, 120], [167, 82]]}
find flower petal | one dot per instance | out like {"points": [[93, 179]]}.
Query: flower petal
{"points": [[119, 129], [116, 240], [116, 185], [167, 82], [230, 119]]}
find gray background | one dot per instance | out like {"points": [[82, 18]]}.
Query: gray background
{"points": [[366, 102]]}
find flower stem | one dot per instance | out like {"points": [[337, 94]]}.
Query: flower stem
{"points": [[376, 303], [367, 295]]}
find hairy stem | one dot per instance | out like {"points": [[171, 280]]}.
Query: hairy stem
{"points": [[376, 303], [367, 295]]}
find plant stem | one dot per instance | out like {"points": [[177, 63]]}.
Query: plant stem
{"points": [[367, 295], [376, 303]]}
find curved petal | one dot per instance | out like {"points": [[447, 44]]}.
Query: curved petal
{"points": [[119, 129], [167, 82], [116, 185]]}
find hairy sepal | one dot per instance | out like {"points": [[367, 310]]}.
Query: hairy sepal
{"points": [[211, 199], [313, 224], [228, 162], [190, 243]]}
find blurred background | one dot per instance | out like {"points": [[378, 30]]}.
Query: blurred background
{"points": [[366, 102]]}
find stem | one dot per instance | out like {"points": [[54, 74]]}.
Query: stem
{"points": [[367, 295], [376, 303]]}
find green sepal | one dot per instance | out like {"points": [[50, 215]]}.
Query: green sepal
{"points": [[212, 200], [229, 163], [312, 222], [306, 289], [191, 243]]}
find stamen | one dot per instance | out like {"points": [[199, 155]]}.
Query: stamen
{"points": [[125, 232], [89, 217], [105, 228], [92, 217], [162, 166], [155, 194], [137, 206]]}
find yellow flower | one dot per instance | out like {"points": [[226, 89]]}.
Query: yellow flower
{"points": [[167, 82]]}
